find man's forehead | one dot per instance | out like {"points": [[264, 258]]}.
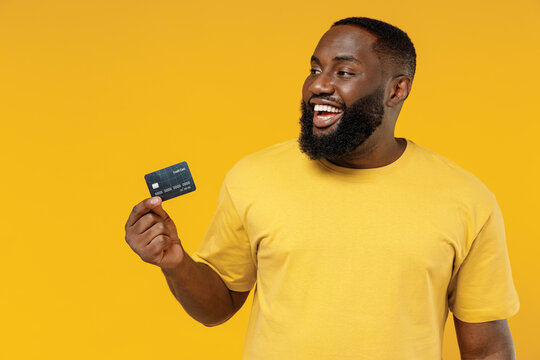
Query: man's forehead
{"points": [[346, 39]]}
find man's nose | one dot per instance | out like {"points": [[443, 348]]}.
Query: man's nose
{"points": [[322, 85]]}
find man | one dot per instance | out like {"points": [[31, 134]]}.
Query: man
{"points": [[358, 242]]}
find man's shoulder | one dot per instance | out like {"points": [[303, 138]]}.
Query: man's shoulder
{"points": [[265, 161], [449, 175]]}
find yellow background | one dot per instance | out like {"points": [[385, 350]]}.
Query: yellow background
{"points": [[95, 94]]}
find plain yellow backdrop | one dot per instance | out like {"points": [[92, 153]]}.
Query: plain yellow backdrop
{"points": [[94, 94]]}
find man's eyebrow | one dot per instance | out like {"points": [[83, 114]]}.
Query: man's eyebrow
{"points": [[315, 60], [337, 58], [347, 58]]}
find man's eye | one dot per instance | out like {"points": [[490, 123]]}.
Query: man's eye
{"points": [[314, 71], [345, 73]]}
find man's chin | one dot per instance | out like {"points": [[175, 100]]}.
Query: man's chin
{"points": [[319, 132], [315, 147]]}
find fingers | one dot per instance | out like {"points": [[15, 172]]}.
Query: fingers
{"points": [[157, 245], [142, 208], [145, 223], [154, 231], [158, 210], [150, 231], [153, 252], [155, 227]]}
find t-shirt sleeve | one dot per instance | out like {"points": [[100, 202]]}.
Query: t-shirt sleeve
{"points": [[226, 247], [483, 289]]}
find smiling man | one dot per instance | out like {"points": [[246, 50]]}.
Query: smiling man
{"points": [[358, 243]]}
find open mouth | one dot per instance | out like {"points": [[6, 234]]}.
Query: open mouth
{"points": [[326, 115]]}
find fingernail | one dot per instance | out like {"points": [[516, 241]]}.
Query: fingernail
{"points": [[154, 201]]}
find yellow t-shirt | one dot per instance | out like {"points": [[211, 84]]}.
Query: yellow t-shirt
{"points": [[358, 263]]}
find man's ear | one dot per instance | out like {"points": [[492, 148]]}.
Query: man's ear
{"points": [[400, 87]]}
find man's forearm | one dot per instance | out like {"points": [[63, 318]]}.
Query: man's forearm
{"points": [[200, 291], [503, 354]]}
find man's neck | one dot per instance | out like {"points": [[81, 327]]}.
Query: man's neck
{"points": [[373, 153]]}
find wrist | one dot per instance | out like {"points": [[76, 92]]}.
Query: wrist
{"points": [[178, 267]]}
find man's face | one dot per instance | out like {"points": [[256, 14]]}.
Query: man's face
{"points": [[342, 98]]}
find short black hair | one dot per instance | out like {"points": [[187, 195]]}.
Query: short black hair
{"points": [[392, 44]]}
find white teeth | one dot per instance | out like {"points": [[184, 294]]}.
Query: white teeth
{"points": [[327, 108]]}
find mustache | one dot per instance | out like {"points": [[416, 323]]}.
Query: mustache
{"points": [[327, 98]]}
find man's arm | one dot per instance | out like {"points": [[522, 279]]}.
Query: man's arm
{"points": [[202, 292], [485, 341], [152, 234]]}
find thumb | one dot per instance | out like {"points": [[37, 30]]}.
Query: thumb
{"points": [[155, 205]]}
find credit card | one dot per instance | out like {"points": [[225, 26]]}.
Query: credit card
{"points": [[170, 182]]}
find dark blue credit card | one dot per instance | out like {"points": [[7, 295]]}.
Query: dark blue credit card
{"points": [[170, 182]]}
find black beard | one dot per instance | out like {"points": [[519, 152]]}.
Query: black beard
{"points": [[356, 125]]}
